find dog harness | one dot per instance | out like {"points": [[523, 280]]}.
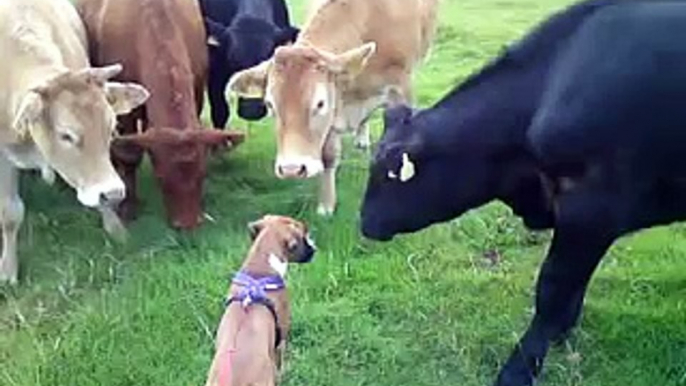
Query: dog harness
{"points": [[254, 291]]}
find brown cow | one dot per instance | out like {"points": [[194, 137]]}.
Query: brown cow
{"points": [[161, 44], [351, 57]]}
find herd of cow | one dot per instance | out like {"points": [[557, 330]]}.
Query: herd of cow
{"points": [[579, 127]]}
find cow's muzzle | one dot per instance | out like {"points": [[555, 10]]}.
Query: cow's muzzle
{"points": [[298, 167], [109, 192]]}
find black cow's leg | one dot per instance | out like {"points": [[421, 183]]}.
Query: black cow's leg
{"points": [[585, 229], [218, 80], [126, 158]]}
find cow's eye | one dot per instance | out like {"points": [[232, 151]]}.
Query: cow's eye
{"points": [[319, 107], [68, 138]]}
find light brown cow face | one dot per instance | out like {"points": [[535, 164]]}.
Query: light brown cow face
{"points": [[301, 86], [71, 119]]}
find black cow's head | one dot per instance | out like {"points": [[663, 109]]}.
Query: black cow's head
{"points": [[420, 176], [246, 43]]}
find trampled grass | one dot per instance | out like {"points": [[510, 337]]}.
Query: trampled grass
{"points": [[426, 309]]}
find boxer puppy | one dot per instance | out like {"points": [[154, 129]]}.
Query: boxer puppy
{"points": [[252, 335]]}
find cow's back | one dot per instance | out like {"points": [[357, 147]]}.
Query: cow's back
{"points": [[129, 31], [379, 21], [55, 22], [35, 32], [402, 29], [226, 11], [32, 28], [639, 84], [160, 43]]}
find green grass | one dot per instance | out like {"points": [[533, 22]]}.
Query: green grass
{"points": [[425, 309]]}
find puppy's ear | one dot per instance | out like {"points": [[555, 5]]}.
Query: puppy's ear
{"points": [[255, 227]]}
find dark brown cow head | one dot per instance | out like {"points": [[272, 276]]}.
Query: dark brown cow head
{"points": [[179, 159]]}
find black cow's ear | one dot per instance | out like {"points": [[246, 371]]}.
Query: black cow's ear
{"points": [[288, 35], [215, 32], [397, 115], [295, 32]]}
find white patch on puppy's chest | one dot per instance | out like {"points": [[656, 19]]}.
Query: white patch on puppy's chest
{"points": [[278, 265]]}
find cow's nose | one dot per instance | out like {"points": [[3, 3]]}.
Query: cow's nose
{"points": [[113, 196], [186, 222], [292, 170]]}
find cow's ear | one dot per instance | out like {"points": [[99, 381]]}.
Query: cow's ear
{"points": [[217, 137], [288, 35], [252, 82], [145, 140], [124, 97], [396, 116], [100, 75], [352, 62], [29, 113], [215, 31]]}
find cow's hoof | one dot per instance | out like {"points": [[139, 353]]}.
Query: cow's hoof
{"points": [[325, 210], [362, 143], [515, 373], [8, 278], [10, 281]]}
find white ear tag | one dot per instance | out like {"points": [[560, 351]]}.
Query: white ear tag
{"points": [[392, 175], [212, 41], [407, 169], [278, 265]]}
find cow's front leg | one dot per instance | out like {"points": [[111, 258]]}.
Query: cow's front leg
{"points": [[362, 136], [584, 231], [11, 218], [126, 158], [327, 190], [354, 118], [219, 106]]}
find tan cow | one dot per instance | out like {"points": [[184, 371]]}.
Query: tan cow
{"points": [[351, 57], [56, 112]]}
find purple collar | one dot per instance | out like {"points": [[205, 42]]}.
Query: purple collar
{"points": [[255, 290]]}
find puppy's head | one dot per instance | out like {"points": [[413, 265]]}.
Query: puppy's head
{"points": [[294, 235]]}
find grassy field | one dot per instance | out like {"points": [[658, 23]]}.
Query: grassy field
{"points": [[424, 310]]}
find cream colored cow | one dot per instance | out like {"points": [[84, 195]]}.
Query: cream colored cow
{"points": [[351, 57], [56, 112]]}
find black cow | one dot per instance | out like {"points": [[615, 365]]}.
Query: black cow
{"points": [[241, 34], [579, 127]]}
